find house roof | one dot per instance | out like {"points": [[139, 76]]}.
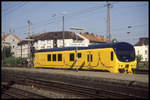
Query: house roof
{"points": [[8, 34], [67, 35], [142, 41], [53, 35], [94, 38]]}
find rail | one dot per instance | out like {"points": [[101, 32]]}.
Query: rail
{"points": [[88, 92], [141, 71], [12, 92]]}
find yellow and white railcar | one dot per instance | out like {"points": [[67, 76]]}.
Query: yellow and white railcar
{"points": [[113, 57]]}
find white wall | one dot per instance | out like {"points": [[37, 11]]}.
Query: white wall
{"points": [[142, 50], [45, 44], [24, 51], [13, 43]]}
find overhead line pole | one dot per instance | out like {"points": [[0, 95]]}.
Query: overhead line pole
{"points": [[108, 21], [63, 32], [28, 43]]}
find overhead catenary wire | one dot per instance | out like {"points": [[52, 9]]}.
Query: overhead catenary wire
{"points": [[14, 9], [10, 7], [80, 12], [132, 26], [69, 17]]}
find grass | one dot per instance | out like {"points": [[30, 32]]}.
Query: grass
{"points": [[143, 65], [13, 61]]}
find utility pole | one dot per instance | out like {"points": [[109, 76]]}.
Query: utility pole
{"points": [[108, 21], [76, 28], [3, 53], [28, 43], [63, 31]]}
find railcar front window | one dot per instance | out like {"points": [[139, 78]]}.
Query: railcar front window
{"points": [[125, 53]]}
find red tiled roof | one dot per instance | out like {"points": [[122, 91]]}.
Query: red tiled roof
{"points": [[94, 38], [142, 41], [8, 34], [57, 34]]}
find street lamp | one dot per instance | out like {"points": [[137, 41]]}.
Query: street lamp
{"points": [[76, 28]]}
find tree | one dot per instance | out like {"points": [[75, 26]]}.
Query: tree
{"points": [[7, 51], [139, 58]]}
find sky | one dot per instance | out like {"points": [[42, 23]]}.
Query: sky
{"points": [[92, 16]]}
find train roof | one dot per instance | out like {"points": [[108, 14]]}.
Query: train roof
{"points": [[95, 46]]}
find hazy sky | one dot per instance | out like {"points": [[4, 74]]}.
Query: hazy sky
{"points": [[47, 16]]}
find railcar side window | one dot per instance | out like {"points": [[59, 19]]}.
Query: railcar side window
{"points": [[111, 56], [79, 55], [59, 57], [71, 56], [91, 57], [88, 58], [54, 57], [49, 57]]}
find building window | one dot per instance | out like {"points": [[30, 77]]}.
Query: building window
{"points": [[42, 47], [71, 56], [145, 51], [145, 59], [48, 41], [54, 57], [48, 46], [59, 57], [138, 52], [49, 57]]}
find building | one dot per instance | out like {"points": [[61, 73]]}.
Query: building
{"points": [[142, 48], [10, 40], [55, 39], [92, 38]]}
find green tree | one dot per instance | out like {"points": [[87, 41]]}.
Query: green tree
{"points": [[138, 58], [7, 51]]}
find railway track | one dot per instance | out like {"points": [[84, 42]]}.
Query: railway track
{"points": [[16, 93], [141, 71], [101, 91], [137, 71]]}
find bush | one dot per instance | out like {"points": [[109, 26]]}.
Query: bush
{"points": [[143, 65], [13, 61]]}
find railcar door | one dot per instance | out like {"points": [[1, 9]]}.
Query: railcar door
{"points": [[92, 59], [88, 60]]}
